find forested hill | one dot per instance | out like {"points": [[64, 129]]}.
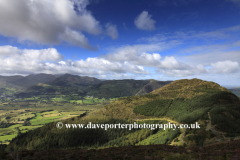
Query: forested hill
{"points": [[116, 88], [83, 86], [215, 108]]}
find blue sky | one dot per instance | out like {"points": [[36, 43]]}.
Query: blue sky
{"points": [[122, 39]]}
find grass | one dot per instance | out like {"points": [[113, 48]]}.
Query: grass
{"points": [[39, 119], [7, 137], [43, 115], [29, 127]]}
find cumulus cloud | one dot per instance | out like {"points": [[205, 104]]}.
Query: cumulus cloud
{"points": [[137, 54], [126, 60], [225, 67], [10, 52], [168, 65], [144, 21], [187, 70], [76, 38], [48, 21], [105, 65], [26, 61], [111, 30]]}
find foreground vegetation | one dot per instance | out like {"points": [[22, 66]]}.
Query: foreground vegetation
{"points": [[220, 151]]}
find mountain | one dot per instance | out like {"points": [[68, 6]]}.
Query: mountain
{"points": [[152, 85], [214, 109], [73, 84], [73, 80], [8, 81], [116, 88], [64, 84], [33, 79], [27, 81]]}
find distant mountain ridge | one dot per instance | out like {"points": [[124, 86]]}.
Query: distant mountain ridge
{"points": [[68, 79], [84, 85], [24, 81]]}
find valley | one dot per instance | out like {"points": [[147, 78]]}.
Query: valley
{"points": [[21, 115], [29, 117]]}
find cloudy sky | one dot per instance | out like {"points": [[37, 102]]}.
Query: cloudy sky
{"points": [[122, 39]]}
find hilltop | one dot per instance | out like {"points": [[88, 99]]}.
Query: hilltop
{"points": [[215, 108]]}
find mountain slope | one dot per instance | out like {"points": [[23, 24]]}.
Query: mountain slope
{"points": [[64, 84], [33, 79], [216, 109], [8, 81], [13, 84], [73, 80], [73, 84], [152, 85], [116, 88]]}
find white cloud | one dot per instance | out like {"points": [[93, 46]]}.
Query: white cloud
{"points": [[137, 55], [105, 65], [26, 61], [48, 21], [144, 21], [168, 65], [10, 52], [224, 67], [111, 30], [211, 56], [49, 54], [171, 63], [187, 70], [136, 52], [76, 38]]}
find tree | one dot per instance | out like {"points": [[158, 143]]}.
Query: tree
{"points": [[26, 123]]}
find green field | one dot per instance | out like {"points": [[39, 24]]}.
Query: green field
{"points": [[39, 111], [39, 119]]}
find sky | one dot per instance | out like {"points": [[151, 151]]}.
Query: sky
{"points": [[122, 39]]}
